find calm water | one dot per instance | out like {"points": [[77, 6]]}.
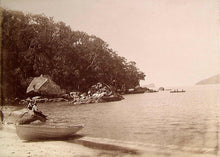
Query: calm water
{"points": [[189, 120]]}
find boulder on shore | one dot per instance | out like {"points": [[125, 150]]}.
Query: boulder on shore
{"points": [[97, 93], [23, 116], [161, 89], [44, 85]]}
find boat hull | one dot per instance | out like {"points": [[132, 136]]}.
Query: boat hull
{"points": [[30, 132]]}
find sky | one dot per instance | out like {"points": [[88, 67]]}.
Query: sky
{"points": [[174, 42]]}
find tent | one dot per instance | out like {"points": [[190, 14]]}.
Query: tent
{"points": [[43, 85]]}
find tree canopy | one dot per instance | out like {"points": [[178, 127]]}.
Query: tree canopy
{"points": [[35, 44]]}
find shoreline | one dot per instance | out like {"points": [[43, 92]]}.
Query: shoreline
{"points": [[170, 150], [12, 146]]}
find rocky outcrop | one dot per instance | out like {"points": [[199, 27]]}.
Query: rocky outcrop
{"points": [[161, 89], [29, 117], [44, 85], [22, 116], [97, 93]]}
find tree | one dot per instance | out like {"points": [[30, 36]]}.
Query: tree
{"points": [[34, 45]]}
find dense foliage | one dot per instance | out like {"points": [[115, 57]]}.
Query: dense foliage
{"points": [[34, 45]]}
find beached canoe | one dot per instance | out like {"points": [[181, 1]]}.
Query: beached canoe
{"points": [[35, 132]]}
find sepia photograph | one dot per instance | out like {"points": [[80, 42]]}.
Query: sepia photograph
{"points": [[110, 78]]}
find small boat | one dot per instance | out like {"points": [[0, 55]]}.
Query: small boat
{"points": [[35, 132]]}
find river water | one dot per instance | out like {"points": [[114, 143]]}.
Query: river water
{"points": [[181, 120]]}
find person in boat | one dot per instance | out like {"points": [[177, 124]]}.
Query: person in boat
{"points": [[32, 105]]}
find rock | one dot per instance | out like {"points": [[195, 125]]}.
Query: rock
{"points": [[11, 117], [161, 89], [97, 93], [29, 117], [23, 116], [44, 85], [116, 97]]}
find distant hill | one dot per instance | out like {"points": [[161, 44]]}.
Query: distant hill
{"points": [[212, 80]]}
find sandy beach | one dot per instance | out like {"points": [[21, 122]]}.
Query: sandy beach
{"points": [[12, 146]]}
